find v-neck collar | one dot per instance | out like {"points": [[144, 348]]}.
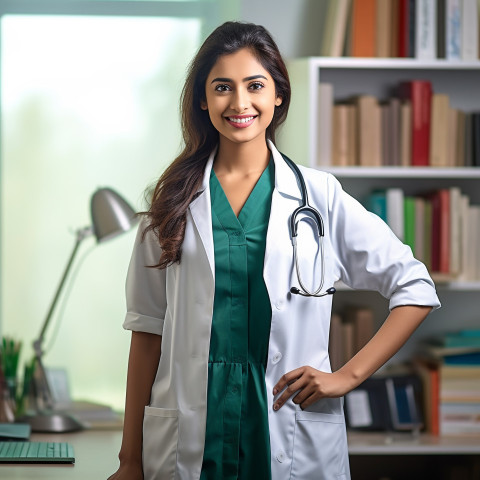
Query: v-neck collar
{"points": [[223, 209]]}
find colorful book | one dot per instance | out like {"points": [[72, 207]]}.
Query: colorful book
{"points": [[409, 222], [419, 93], [403, 28], [363, 28]]}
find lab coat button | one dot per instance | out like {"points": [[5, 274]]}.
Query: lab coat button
{"points": [[277, 357], [280, 457], [279, 304]]}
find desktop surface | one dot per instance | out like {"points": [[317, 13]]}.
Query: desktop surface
{"points": [[96, 457]]}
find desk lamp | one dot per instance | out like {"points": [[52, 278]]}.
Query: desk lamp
{"points": [[111, 215]]}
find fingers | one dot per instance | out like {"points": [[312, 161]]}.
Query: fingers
{"points": [[303, 385]]}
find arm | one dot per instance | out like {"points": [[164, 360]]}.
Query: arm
{"points": [[311, 384], [143, 361]]}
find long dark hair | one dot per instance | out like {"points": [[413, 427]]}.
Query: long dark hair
{"points": [[179, 183]]}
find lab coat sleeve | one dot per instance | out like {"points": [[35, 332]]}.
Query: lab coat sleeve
{"points": [[371, 257], [145, 287]]}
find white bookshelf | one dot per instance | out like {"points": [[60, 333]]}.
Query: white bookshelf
{"points": [[460, 300]]}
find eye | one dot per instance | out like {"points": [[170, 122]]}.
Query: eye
{"points": [[256, 86], [221, 87]]}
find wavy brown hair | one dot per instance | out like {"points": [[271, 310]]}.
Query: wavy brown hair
{"points": [[180, 182]]}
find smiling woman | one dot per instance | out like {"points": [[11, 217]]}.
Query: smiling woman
{"points": [[81, 111]]}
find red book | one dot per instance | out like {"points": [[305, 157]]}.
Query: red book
{"points": [[419, 93], [363, 28], [441, 231], [403, 27]]}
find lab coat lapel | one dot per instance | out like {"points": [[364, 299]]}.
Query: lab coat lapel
{"points": [[278, 257], [201, 212]]}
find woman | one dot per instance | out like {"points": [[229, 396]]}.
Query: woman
{"points": [[228, 371]]}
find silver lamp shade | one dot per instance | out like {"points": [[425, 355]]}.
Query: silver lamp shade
{"points": [[111, 214]]}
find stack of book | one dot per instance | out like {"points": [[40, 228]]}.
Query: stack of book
{"points": [[423, 29], [441, 228], [452, 383], [416, 127]]}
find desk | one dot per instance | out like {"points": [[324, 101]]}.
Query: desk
{"points": [[96, 454]]}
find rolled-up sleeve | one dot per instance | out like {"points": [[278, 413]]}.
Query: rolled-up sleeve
{"points": [[371, 257], [145, 287]]}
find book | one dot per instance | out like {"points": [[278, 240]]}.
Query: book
{"points": [[452, 137], [409, 222], [336, 346], [455, 231], [468, 156], [444, 230], [335, 26], [376, 203], [394, 28], [405, 134], [428, 372], [426, 34], [343, 139], [419, 229], [395, 211], [419, 93], [403, 28], [439, 130], [453, 36], [441, 29], [460, 147], [325, 114], [362, 320], [384, 24], [469, 30], [475, 139], [363, 36], [368, 130]]}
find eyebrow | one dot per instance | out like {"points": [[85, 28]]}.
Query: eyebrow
{"points": [[246, 79]]}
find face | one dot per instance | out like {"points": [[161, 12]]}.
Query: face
{"points": [[240, 97]]}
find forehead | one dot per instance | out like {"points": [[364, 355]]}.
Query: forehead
{"points": [[238, 65]]}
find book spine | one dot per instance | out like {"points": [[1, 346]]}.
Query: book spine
{"points": [[453, 20], [426, 35], [469, 30]]}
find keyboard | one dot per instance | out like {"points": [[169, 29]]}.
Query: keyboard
{"points": [[36, 452]]}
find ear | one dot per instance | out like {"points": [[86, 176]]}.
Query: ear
{"points": [[203, 105], [278, 101]]}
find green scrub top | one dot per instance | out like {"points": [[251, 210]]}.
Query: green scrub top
{"points": [[237, 441]]}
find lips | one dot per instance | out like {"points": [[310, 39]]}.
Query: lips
{"points": [[241, 121]]}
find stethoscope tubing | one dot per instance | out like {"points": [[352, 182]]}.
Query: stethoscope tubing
{"points": [[314, 214]]}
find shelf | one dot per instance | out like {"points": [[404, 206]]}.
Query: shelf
{"points": [[361, 443], [390, 63], [403, 172]]}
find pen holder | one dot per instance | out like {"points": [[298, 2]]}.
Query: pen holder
{"points": [[7, 405]]}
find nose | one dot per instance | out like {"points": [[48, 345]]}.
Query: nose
{"points": [[240, 101]]}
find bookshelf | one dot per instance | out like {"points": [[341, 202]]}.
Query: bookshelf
{"points": [[377, 77]]}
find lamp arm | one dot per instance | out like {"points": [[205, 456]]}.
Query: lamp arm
{"points": [[81, 234]]}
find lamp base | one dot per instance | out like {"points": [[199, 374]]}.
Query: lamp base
{"points": [[51, 422]]}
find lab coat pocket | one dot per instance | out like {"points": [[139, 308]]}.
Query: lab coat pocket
{"points": [[320, 447], [160, 437]]}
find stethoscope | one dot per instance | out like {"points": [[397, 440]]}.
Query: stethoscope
{"points": [[311, 213]]}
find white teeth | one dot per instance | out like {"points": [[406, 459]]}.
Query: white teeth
{"points": [[240, 120]]}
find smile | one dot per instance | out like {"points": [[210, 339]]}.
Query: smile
{"points": [[241, 122]]}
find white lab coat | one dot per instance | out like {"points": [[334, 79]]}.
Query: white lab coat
{"points": [[177, 303]]}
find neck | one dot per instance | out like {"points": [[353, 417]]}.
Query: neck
{"points": [[242, 157]]}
